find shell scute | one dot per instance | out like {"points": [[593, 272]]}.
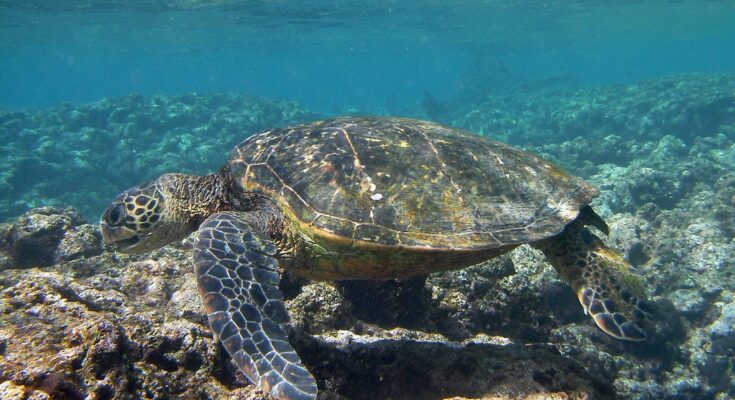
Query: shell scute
{"points": [[409, 182]]}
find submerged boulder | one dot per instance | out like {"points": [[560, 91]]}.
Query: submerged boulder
{"points": [[47, 235], [116, 326]]}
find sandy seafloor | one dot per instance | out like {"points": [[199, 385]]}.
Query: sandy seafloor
{"points": [[78, 321]]}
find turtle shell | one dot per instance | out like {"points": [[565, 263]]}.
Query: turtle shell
{"points": [[409, 183]]}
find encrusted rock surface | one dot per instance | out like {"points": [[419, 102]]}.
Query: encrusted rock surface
{"points": [[88, 329], [115, 327], [47, 235]]}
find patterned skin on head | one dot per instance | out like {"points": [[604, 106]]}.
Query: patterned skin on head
{"points": [[135, 214]]}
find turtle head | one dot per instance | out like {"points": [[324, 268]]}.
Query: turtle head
{"points": [[146, 217]]}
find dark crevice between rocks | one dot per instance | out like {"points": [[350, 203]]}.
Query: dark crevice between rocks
{"points": [[103, 392], [57, 387], [666, 332], [291, 285], [406, 369], [161, 360], [192, 361], [105, 359], [159, 354], [546, 377], [225, 371], [70, 295], [402, 302], [111, 359], [713, 313], [130, 352], [78, 362], [637, 254]]}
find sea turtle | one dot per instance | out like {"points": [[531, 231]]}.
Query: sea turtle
{"points": [[365, 198]]}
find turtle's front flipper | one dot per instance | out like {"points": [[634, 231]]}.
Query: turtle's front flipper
{"points": [[238, 281], [609, 292]]}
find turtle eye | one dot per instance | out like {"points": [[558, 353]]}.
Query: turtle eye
{"points": [[115, 215]]}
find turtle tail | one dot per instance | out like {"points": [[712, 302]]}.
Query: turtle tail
{"points": [[605, 286]]}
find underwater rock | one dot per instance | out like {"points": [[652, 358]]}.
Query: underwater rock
{"points": [[111, 325], [409, 365], [685, 106], [663, 172], [60, 342], [320, 307], [84, 241], [44, 236], [98, 147], [117, 326], [516, 295]]}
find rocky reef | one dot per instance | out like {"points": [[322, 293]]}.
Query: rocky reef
{"points": [[81, 155], [685, 106], [78, 321], [109, 326]]}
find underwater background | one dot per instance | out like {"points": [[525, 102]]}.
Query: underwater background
{"points": [[637, 97]]}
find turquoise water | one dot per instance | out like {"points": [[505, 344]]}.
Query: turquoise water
{"points": [[635, 97], [335, 56]]}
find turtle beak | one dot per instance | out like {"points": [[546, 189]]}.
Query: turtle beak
{"points": [[120, 238]]}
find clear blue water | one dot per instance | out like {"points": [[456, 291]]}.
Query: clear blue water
{"points": [[334, 56]]}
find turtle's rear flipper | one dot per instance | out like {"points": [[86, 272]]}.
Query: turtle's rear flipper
{"points": [[609, 292], [238, 281]]}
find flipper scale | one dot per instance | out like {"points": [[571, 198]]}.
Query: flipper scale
{"points": [[238, 281]]}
